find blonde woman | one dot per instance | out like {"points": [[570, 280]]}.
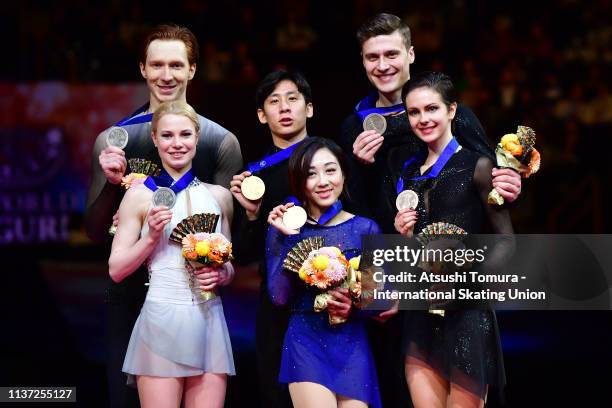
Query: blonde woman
{"points": [[180, 348]]}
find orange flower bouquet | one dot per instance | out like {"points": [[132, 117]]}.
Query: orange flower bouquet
{"points": [[206, 249], [516, 151], [200, 246], [326, 268]]}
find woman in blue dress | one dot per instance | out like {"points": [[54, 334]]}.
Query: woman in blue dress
{"points": [[324, 365]]}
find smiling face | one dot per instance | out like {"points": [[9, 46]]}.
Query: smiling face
{"points": [[167, 71], [325, 181], [285, 111], [176, 139], [430, 118], [387, 63]]}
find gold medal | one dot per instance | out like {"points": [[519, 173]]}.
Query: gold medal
{"points": [[295, 217], [253, 188]]}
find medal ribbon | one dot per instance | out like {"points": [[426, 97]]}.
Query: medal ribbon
{"points": [[165, 180], [134, 119], [447, 153], [272, 159], [330, 213], [368, 105], [327, 215]]}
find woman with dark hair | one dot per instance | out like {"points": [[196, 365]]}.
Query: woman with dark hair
{"points": [[452, 359], [324, 365]]}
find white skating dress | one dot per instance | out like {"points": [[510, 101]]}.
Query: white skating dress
{"points": [[177, 334]]}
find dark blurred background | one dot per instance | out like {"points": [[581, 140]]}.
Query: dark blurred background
{"points": [[70, 70]]}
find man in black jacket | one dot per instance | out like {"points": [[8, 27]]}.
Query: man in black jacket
{"points": [[284, 103], [387, 53]]}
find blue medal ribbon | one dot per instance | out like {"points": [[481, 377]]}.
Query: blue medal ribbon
{"points": [[165, 180], [136, 117], [447, 153], [294, 200], [368, 105], [327, 215], [330, 213], [272, 159]]}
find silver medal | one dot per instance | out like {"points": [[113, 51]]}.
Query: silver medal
{"points": [[407, 199], [375, 121], [163, 196], [117, 136]]}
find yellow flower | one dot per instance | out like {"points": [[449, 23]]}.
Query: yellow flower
{"points": [[302, 274], [355, 262], [510, 143], [202, 248], [338, 252], [320, 262]]}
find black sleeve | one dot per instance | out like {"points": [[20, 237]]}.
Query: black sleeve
{"points": [[498, 217], [470, 134], [248, 241], [361, 176], [386, 209]]}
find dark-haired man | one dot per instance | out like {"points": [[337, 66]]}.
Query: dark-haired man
{"points": [[284, 103], [387, 53], [167, 64]]}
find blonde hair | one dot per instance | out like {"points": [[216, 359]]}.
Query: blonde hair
{"points": [[175, 108]]}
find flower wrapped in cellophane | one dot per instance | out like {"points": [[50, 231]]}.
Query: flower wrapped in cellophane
{"points": [[516, 151], [200, 246], [325, 268], [140, 169]]}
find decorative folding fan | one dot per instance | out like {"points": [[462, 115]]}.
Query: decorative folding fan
{"points": [[299, 253], [429, 233], [204, 222], [142, 166]]}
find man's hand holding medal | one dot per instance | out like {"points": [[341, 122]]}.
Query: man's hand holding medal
{"points": [[248, 190], [371, 139]]}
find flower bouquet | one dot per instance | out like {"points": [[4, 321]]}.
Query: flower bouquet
{"points": [[326, 268], [201, 246], [516, 151]]}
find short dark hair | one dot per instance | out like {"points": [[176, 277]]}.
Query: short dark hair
{"points": [[270, 81], [438, 81], [384, 24], [301, 158], [169, 32]]}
